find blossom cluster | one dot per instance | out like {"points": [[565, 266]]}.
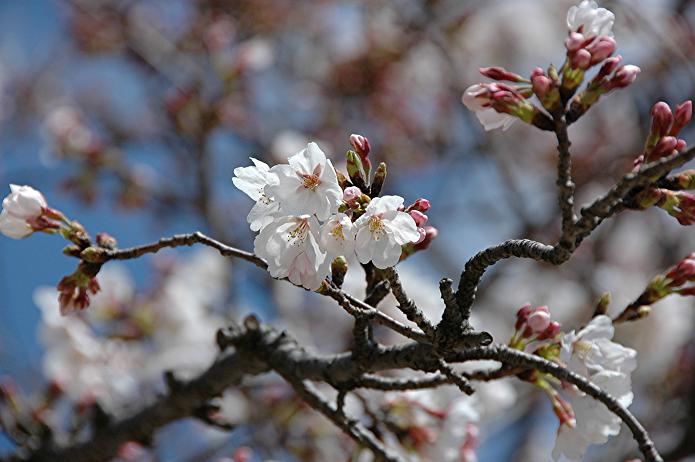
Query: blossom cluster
{"points": [[306, 219], [589, 43], [589, 352]]}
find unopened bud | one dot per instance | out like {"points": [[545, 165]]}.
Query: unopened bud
{"points": [[684, 112], [522, 315], [421, 204], [581, 59], [602, 305], [601, 49], [355, 170], [551, 331], [538, 321], [624, 76], [664, 147], [339, 267], [431, 234], [379, 178], [419, 217], [662, 118], [351, 194], [361, 145], [574, 41], [106, 241], [607, 68], [500, 73]]}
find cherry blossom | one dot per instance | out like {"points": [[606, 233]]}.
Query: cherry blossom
{"points": [[290, 245], [382, 230], [308, 185], [252, 181], [338, 236], [20, 209], [489, 117], [592, 20], [591, 353]]}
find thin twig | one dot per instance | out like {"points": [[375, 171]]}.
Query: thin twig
{"points": [[407, 305]]}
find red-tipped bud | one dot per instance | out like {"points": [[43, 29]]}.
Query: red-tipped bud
{"points": [[684, 112], [539, 320], [551, 331], [536, 72], [351, 194], [500, 73], [581, 59], [419, 217], [574, 41], [682, 272], [541, 85], [608, 67], [421, 204], [662, 118], [522, 315], [624, 76], [360, 144], [664, 147], [601, 49], [431, 234], [681, 145]]}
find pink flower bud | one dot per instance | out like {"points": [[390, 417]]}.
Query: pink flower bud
{"points": [[608, 67], [423, 235], [500, 73], [664, 147], [541, 85], [681, 145], [684, 112], [419, 217], [431, 234], [536, 72], [601, 49], [551, 331], [662, 118], [351, 194], [360, 144], [574, 41], [522, 315], [538, 321], [581, 59], [421, 204], [624, 76]]}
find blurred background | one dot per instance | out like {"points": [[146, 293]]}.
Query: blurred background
{"points": [[130, 117]]}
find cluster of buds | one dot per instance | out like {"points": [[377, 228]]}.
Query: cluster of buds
{"points": [[533, 324], [25, 211], [663, 138], [678, 204], [74, 290], [674, 281], [498, 105], [427, 233]]}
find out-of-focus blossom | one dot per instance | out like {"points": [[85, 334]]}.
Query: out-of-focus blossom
{"points": [[488, 117]]}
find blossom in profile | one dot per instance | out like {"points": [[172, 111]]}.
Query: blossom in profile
{"points": [[252, 181], [475, 99], [592, 354], [290, 245], [382, 230], [22, 212], [588, 19], [308, 185]]}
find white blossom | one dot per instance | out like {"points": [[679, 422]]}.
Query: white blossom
{"points": [[308, 185], [290, 245], [338, 236], [593, 20], [382, 230], [591, 353], [23, 205], [488, 117], [252, 181]]}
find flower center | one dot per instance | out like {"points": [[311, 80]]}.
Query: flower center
{"points": [[310, 181], [337, 232], [298, 234], [376, 226]]}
